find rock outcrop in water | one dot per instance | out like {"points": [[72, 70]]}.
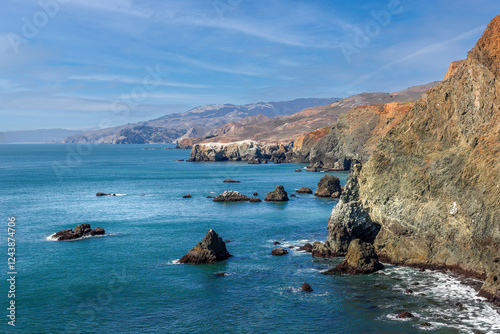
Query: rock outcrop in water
{"points": [[360, 259], [304, 190], [211, 249], [327, 186], [231, 196], [429, 194], [82, 230], [277, 195]]}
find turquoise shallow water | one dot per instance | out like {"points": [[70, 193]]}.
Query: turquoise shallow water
{"points": [[128, 281]]}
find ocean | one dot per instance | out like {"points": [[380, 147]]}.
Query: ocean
{"points": [[129, 281]]}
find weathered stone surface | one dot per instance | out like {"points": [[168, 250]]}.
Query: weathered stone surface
{"points": [[307, 247], [211, 249], [328, 185], [360, 259], [321, 250], [306, 287], [255, 194], [405, 315], [431, 182], [304, 190], [231, 196], [81, 230], [277, 195], [279, 251], [254, 200]]}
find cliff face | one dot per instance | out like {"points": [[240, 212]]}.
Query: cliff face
{"points": [[432, 185], [353, 136]]}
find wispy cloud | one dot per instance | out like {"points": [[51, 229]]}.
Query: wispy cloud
{"points": [[132, 80]]}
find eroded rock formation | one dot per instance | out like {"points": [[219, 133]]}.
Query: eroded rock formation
{"points": [[82, 230], [211, 249]]}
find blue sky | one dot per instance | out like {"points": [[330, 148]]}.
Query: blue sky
{"points": [[85, 64]]}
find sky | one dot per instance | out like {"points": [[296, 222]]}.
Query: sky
{"points": [[89, 64]]}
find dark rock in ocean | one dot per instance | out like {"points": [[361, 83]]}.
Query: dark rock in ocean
{"points": [[425, 324], [211, 249], [255, 194], [321, 250], [81, 230], [231, 181], [312, 169], [277, 195], [291, 247], [180, 160], [328, 185], [304, 190], [293, 195], [298, 170], [306, 287], [104, 194], [220, 274], [405, 315], [231, 196], [187, 196], [265, 162], [227, 241], [307, 247], [276, 243], [254, 162], [210, 196], [279, 251], [360, 259], [409, 291], [255, 200]]}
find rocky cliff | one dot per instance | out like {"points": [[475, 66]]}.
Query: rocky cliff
{"points": [[246, 150], [429, 195]]}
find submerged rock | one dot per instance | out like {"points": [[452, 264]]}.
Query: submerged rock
{"points": [[304, 190], [187, 196], [360, 259], [231, 196], [277, 195], [104, 194], [306, 287], [405, 315], [255, 194], [231, 181], [211, 249], [327, 186], [81, 230], [279, 251]]}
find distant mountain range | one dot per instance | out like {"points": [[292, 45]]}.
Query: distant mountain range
{"points": [[36, 136], [198, 122]]}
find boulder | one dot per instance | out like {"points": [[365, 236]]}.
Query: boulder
{"points": [[304, 190], [255, 200], [293, 195], [255, 194], [211, 249], [231, 181], [298, 170], [81, 230], [360, 259], [104, 194], [321, 250], [279, 251], [328, 185], [186, 196], [277, 195], [405, 315], [306, 287], [231, 196], [276, 243], [307, 248]]}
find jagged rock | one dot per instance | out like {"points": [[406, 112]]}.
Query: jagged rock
{"points": [[255, 200], [187, 196], [279, 251], [81, 230], [304, 190], [409, 291], [231, 181], [360, 259], [277, 195], [255, 194], [211, 249], [104, 194], [307, 247], [298, 170], [306, 287], [231, 196], [321, 250], [328, 185], [405, 315]]}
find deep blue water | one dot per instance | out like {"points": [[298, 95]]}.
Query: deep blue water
{"points": [[128, 281]]}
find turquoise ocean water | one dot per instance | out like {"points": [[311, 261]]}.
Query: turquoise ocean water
{"points": [[128, 281]]}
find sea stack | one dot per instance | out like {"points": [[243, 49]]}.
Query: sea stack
{"points": [[211, 249], [82, 230], [277, 195], [327, 186], [360, 259]]}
